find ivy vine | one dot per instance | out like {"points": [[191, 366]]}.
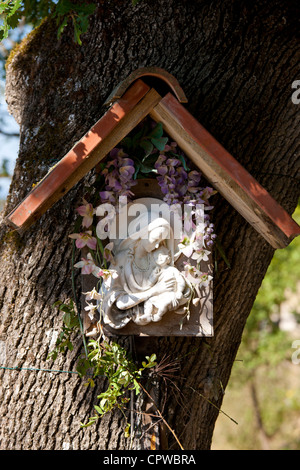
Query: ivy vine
{"points": [[103, 359]]}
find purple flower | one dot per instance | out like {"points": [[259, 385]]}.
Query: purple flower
{"points": [[170, 147], [107, 196], [171, 178], [118, 175]]}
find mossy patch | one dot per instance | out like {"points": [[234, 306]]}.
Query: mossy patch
{"points": [[26, 45], [13, 240]]}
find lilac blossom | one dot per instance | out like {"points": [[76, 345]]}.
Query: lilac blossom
{"points": [[171, 178], [118, 175], [179, 186]]}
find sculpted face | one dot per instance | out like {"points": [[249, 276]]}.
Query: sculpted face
{"points": [[162, 256], [156, 236]]}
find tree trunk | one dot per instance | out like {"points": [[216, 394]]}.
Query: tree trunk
{"points": [[236, 61]]}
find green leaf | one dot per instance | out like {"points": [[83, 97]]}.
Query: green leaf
{"points": [[138, 136], [64, 7], [145, 168], [65, 308], [222, 252], [157, 132], [10, 16], [90, 422], [80, 16], [67, 319], [62, 27], [13, 8], [137, 169], [147, 146], [13, 20], [77, 33], [152, 358], [90, 383], [82, 368], [52, 355], [136, 387], [182, 159], [160, 143], [87, 8], [127, 430], [98, 409], [150, 159], [84, 23]]}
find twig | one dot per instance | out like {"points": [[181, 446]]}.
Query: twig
{"points": [[211, 403], [161, 416]]}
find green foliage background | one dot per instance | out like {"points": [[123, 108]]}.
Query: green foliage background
{"points": [[264, 367], [34, 11], [263, 341]]}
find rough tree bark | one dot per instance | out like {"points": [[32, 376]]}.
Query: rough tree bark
{"points": [[236, 61]]}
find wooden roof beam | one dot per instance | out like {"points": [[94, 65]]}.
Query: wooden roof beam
{"points": [[116, 123], [161, 76], [226, 174]]}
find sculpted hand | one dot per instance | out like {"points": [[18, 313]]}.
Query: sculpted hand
{"points": [[164, 286]]}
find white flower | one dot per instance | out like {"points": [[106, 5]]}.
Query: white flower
{"points": [[187, 245], [92, 295], [205, 279], [192, 273], [200, 255], [107, 275], [91, 310], [196, 277], [88, 266], [107, 253]]}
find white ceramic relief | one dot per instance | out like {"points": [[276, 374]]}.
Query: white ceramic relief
{"points": [[146, 284]]}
